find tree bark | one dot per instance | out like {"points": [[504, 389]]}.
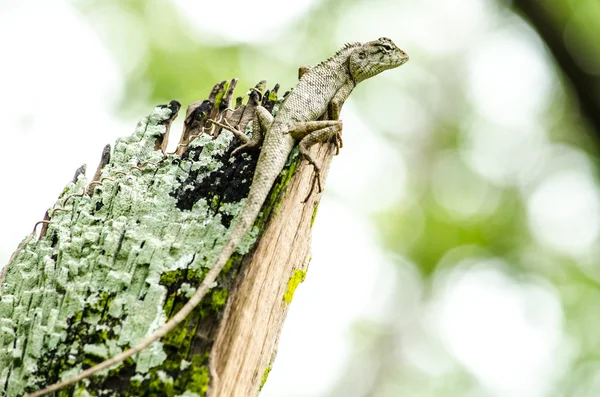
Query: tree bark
{"points": [[119, 255]]}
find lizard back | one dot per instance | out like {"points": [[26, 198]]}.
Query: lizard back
{"points": [[309, 100]]}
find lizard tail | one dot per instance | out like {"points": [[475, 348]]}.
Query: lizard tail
{"points": [[241, 227]]}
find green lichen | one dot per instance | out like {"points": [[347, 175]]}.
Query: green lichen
{"points": [[293, 283], [115, 266]]}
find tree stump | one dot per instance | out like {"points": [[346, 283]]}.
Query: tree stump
{"points": [[118, 255]]}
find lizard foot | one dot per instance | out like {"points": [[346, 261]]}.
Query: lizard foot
{"points": [[315, 181], [239, 134], [317, 173], [338, 142]]}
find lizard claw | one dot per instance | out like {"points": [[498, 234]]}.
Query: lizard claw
{"points": [[316, 181], [338, 143], [304, 152]]}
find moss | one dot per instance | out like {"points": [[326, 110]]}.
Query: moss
{"points": [[293, 283], [221, 94], [218, 298], [193, 378], [216, 200], [161, 385], [198, 377], [235, 258], [264, 377], [271, 207], [173, 279], [273, 96], [135, 385], [314, 215]]}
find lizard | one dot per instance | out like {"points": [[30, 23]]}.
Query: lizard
{"points": [[321, 90]]}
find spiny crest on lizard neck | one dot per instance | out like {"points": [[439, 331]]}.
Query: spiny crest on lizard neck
{"points": [[340, 55], [345, 47]]}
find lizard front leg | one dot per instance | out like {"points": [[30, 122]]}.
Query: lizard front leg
{"points": [[311, 132], [334, 109], [260, 125]]}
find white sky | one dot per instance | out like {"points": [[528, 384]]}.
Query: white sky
{"points": [[57, 92]]}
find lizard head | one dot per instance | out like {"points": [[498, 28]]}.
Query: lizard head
{"points": [[372, 58]]}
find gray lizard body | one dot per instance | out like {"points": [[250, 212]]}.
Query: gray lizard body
{"points": [[322, 89]]}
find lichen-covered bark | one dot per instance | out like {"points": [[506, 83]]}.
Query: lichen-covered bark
{"points": [[122, 255]]}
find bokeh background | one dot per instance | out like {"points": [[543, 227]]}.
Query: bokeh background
{"points": [[455, 251]]}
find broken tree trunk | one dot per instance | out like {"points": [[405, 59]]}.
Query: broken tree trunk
{"points": [[117, 256]]}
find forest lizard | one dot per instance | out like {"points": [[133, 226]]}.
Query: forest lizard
{"points": [[322, 88]]}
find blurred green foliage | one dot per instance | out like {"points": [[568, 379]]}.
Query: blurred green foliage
{"points": [[426, 227]]}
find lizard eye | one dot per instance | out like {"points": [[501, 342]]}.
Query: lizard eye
{"points": [[386, 47]]}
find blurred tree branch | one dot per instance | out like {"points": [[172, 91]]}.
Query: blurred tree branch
{"points": [[551, 31]]}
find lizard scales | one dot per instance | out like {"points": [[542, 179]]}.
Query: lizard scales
{"points": [[307, 102], [322, 89]]}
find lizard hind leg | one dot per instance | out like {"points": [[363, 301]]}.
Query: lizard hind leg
{"points": [[260, 124], [310, 133], [226, 126]]}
